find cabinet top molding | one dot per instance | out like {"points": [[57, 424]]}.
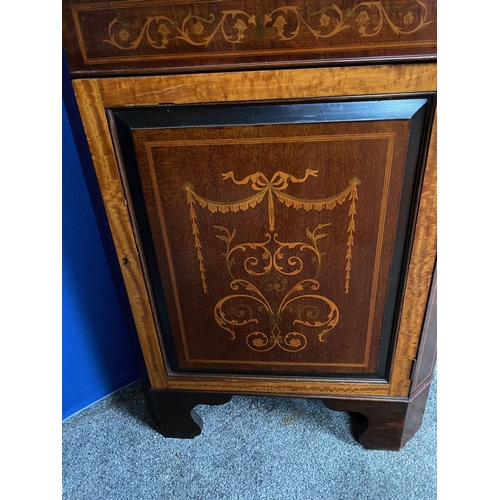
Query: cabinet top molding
{"points": [[144, 37]]}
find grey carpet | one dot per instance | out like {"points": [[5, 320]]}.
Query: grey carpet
{"points": [[251, 448]]}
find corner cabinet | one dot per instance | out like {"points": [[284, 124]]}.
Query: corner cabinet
{"points": [[268, 171]]}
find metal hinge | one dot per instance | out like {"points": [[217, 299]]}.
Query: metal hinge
{"points": [[412, 368]]}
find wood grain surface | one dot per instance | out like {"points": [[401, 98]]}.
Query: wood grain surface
{"points": [[298, 386], [422, 262], [268, 85], [265, 278], [427, 351], [144, 36], [101, 148], [385, 424], [95, 95]]}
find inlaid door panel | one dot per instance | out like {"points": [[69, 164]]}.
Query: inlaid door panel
{"points": [[275, 235]]}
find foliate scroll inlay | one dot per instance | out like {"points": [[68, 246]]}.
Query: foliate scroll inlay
{"points": [[273, 279], [282, 24]]}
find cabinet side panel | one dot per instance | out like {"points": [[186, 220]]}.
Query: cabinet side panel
{"points": [[101, 148], [427, 350], [422, 262]]}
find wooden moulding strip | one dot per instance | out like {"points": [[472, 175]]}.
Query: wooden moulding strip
{"points": [[299, 387], [264, 85], [422, 261], [101, 148], [94, 95]]}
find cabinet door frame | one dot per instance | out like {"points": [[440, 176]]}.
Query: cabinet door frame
{"points": [[94, 96]]}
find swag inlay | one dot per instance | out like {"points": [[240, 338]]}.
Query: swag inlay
{"points": [[273, 262]]}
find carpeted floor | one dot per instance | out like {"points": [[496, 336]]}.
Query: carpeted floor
{"points": [[251, 448]]}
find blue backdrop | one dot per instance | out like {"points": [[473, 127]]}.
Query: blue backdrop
{"points": [[97, 357]]}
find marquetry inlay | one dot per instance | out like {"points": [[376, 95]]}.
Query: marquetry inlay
{"points": [[185, 33], [269, 265], [275, 259], [282, 23]]}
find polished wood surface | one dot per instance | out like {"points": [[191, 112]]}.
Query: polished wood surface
{"points": [[277, 283], [384, 424], [380, 423], [427, 351], [224, 202], [302, 386], [94, 95], [105, 164], [267, 85], [418, 283], [141, 37], [174, 412]]}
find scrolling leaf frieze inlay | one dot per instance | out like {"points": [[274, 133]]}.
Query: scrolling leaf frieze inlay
{"points": [[260, 271], [280, 25]]}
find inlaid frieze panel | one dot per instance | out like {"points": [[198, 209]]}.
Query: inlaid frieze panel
{"points": [[274, 242], [144, 35]]}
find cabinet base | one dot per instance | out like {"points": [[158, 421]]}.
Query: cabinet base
{"points": [[173, 411], [380, 424], [384, 424]]}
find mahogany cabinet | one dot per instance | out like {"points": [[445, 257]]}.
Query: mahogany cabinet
{"points": [[268, 170]]}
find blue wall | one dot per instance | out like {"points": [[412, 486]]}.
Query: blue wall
{"points": [[97, 358]]}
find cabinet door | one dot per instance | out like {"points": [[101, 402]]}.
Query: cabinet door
{"points": [[277, 222], [276, 235]]}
